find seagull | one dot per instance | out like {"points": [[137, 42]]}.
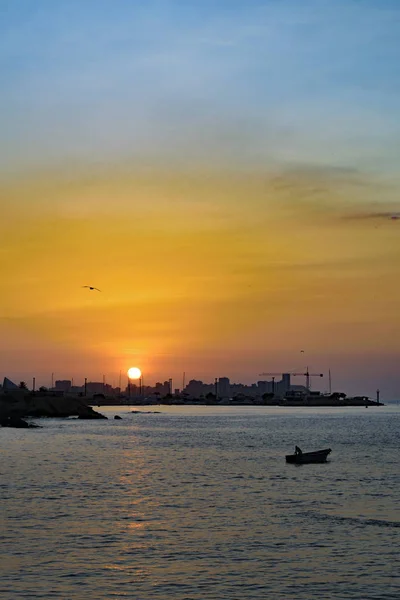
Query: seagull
{"points": [[91, 288]]}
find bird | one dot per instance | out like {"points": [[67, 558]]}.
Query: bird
{"points": [[91, 288]]}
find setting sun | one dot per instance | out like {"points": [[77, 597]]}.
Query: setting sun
{"points": [[134, 373]]}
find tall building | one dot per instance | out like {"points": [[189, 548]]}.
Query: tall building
{"points": [[285, 382], [162, 388], [224, 387], [279, 388]]}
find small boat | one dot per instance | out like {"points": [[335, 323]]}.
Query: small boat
{"points": [[301, 458]]}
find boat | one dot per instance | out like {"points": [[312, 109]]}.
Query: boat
{"points": [[301, 458]]}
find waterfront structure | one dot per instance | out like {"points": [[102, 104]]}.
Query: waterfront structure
{"points": [[222, 391], [63, 385], [94, 387]]}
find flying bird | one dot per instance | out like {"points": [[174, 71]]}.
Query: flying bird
{"points": [[91, 288]]}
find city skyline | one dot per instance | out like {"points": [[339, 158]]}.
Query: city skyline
{"points": [[266, 382], [221, 387], [225, 173]]}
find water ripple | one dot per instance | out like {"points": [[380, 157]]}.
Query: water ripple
{"points": [[200, 505]]}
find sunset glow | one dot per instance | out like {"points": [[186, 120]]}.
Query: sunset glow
{"points": [[229, 211]]}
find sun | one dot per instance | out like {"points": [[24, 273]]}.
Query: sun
{"points": [[134, 373]]}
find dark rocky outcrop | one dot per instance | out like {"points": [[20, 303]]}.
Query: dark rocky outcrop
{"points": [[92, 414], [117, 417], [45, 405], [17, 422]]}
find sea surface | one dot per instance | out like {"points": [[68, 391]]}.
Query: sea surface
{"points": [[195, 503]]}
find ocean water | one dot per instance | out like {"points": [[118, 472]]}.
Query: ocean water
{"points": [[198, 503]]}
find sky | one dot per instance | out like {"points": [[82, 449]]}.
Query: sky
{"points": [[225, 173]]}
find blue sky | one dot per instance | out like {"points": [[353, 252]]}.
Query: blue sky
{"points": [[241, 83]]}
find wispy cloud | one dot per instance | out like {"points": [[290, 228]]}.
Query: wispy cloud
{"points": [[372, 216]]}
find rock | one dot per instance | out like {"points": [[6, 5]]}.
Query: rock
{"points": [[91, 414], [17, 422], [117, 417], [45, 405]]}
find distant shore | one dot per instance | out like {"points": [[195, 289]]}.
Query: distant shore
{"points": [[348, 402], [21, 403]]}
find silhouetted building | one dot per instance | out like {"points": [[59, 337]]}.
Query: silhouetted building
{"points": [[9, 385], [285, 382], [224, 387], [63, 385], [94, 387], [279, 388], [264, 387], [77, 389], [162, 388], [197, 388]]}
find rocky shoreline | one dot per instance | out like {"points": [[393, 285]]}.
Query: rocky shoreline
{"points": [[16, 406]]}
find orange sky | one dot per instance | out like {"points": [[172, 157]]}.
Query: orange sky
{"points": [[225, 177], [215, 273]]}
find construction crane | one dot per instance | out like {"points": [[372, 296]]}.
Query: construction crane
{"points": [[307, 375]]}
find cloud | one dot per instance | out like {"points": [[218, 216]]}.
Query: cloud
{"points": [[372, 216]]}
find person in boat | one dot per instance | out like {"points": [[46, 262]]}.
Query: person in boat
{"points": [[297, 451]]}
